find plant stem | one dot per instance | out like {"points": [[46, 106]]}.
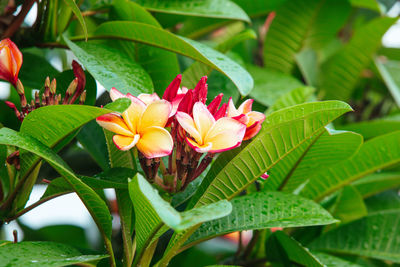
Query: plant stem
{"points": [[250, 246]]}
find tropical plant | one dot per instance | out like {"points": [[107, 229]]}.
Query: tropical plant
{"points": [[311, 165]]}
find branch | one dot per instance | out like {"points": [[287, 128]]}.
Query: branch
{"points": [[16, 23]]}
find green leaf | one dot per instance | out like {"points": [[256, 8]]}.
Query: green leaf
{"points": [[283, 132], [51, 124], [375, 154], [95, 205], [78, 14], [152, 212], [369, 4], [389, 71], [112, 68], [270, 85], [329, 260], [376, 183], [340, 73], [295, 97], [375, 236], [150, 35], [383, 202], [259, 7], [349, 205], [341, 145], [34, 77], [294, 251], [46, 254], [264, 210], [374, 128], [91, 137], [223, 9], [71, 235], [307, 60], [160, 64], [192, 75], [315, 26]]}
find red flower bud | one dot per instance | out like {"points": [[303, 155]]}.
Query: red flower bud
{"points": [[213, 106], [221, 112], [10, 61], [172, 89], [200, 91], [186, 105]]}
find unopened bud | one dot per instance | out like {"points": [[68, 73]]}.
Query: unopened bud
{"points": [[47, 82], [72, 87], [82, 98], [20, 87], [53, 86]]}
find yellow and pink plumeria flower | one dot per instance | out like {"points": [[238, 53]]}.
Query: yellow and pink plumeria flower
{"points": [[244, 114], [141, 125], [208, 134]]}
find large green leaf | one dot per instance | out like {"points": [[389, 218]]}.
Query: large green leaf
{"points": [[160, 64], [283, 132], [95, 205], [377, 182], [112, 68], [376, 235], [152, 212], [389, 71], [294, 97], [264, 210], [45, 254], [151, 35], [374, 128], [375, 154], [341, 145], [340, 73], [223, 9], [316, 24], [292, 250], [270, 85]]}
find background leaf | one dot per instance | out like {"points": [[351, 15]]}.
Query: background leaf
{"points": [[375, 154], [112, 68], [154, 36], [46, 254]]}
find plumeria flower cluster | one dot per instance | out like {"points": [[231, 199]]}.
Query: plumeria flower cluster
{"points": [[197, 131], [10, 65]]}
